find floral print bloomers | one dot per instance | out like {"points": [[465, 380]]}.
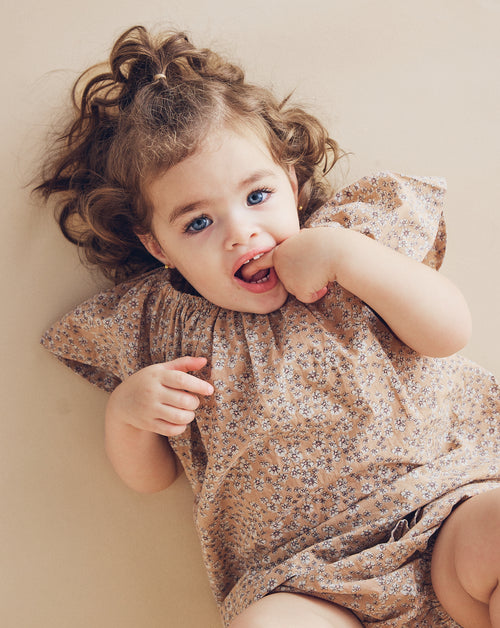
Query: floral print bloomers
{"points": [[330, 452]]}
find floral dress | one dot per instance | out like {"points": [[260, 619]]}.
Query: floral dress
{"points": [[330, 452]]}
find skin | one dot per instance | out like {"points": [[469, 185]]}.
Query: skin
{"points": [[466, 562], [218, 208], [223, 206], [291, 610]]}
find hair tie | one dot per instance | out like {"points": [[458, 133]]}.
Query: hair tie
{"points": [[159, 76]]}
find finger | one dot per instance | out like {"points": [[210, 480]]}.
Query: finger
{"points": [[164, 428], [319, 294], [187, 363], [179, 399], [311, 297], [179, 379], [174, 416]]}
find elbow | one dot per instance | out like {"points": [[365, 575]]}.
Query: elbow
{"points": [[453, 337], [465, 333], [460, 330], [142, 478], [147, 485], [148, 489]]}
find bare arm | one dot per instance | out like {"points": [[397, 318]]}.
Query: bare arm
{"points": [[143, 460], [154, 403], [421, 306]]}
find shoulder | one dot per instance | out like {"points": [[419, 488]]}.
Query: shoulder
{"points": [[402, 211], [134, 297], [386, 190], [390, 186], [122, 299], [120, 330]]}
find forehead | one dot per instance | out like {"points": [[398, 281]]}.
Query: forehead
{"points": [[237, 140], [223, 154], [228, 160]]}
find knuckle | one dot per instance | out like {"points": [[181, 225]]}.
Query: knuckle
{"points": [[177, 378], [175, 430], [165, 428], [193, 402], [181, 417], [155, 370]]}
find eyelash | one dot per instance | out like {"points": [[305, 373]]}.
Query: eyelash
{"points": [[187, 229], [266, 191]]}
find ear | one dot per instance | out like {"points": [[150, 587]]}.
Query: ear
{"points": [[151, 244]]}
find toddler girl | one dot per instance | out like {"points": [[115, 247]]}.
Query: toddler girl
{"points": [[284, 346]]}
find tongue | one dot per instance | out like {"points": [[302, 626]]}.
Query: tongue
{"points": [[258, 275], [252, 277]]}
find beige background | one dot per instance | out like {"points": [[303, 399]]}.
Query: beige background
{"points": [[405, 85]]}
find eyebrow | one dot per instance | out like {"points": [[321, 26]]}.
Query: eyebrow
{"points": [[179, 211]]}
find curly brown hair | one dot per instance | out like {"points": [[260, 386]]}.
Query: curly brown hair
{"points": [[147, 110]]}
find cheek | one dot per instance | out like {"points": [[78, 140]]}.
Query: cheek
{"points": [[292, 226], [195, 265]]}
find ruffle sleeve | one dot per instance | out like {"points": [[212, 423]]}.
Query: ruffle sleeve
{"points": [[403, 212], [104, 339]]}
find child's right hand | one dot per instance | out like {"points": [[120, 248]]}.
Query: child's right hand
{"points": [[161, 398]]}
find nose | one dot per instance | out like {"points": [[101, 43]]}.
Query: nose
{"points": [[239, 231]]}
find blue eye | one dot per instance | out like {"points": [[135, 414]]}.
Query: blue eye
{"points": [[258, 196], [198, 224]]}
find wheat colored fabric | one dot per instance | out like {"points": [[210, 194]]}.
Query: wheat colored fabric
{"points": [[330, 453]]}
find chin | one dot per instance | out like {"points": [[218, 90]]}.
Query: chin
{"points": [[263, 303], [266, 306]]}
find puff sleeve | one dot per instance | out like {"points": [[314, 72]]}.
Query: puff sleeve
{"points": [[403, 212], [102, 339]]}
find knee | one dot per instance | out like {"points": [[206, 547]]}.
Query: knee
{"points": [[255, 616], [262, 618], [260, 614], [468, 547], [481, 529], [286, 610], [477, 523], [492, 499]]}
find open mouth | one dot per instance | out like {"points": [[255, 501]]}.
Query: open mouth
{"points": [[252, 272]]}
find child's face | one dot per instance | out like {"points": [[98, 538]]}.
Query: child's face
{"points": [[218, 210]]}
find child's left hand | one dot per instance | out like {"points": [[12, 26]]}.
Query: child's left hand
{"points": [[303, 263]]}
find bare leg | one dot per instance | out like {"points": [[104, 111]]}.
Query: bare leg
{"points": [[291, 610], [466, 562]]}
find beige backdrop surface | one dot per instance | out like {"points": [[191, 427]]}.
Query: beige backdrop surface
{"points": [[404, 85]]}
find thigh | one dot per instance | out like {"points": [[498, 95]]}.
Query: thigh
{"points": [[466, 559], [292, 610]]}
